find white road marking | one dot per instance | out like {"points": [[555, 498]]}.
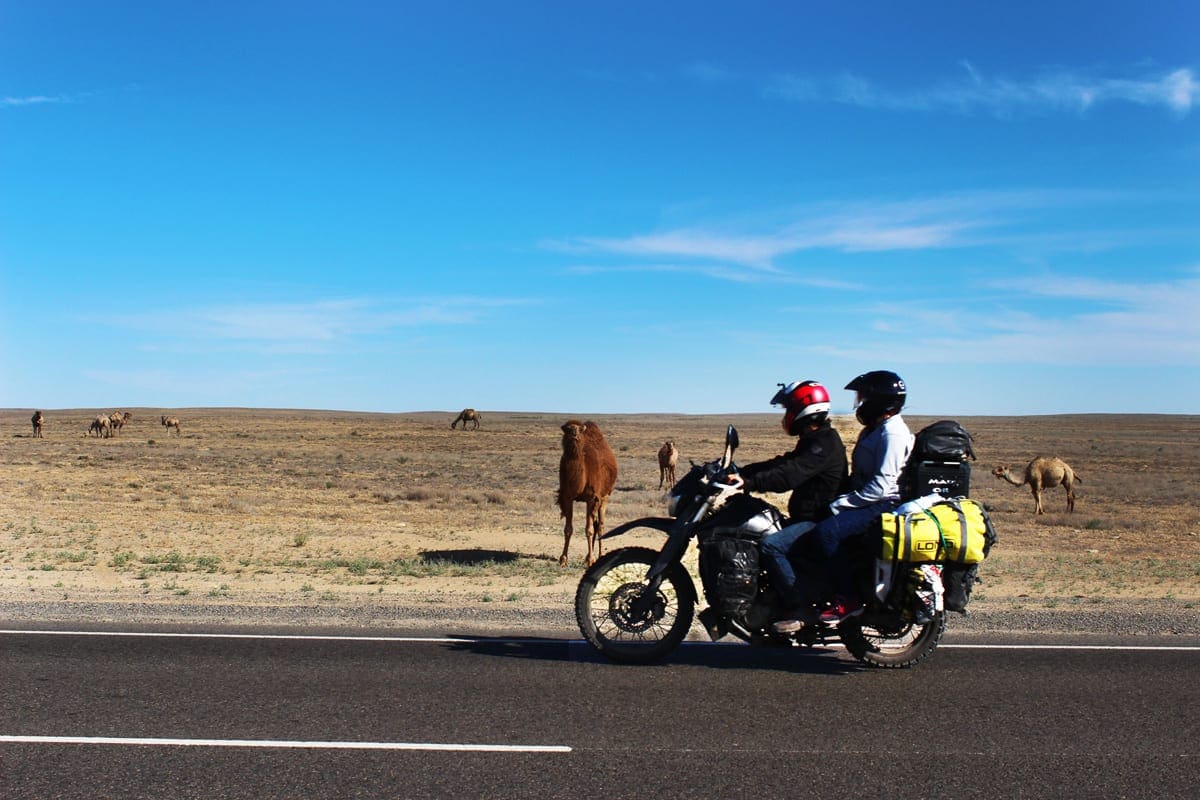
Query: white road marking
{"points": [[537, 640], [271, 636], [1184, 648], [286, 744]]}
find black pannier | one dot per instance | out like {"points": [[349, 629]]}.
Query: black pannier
{"points": [[729, 563], [957, 582], [730, 573], [938, 463]]}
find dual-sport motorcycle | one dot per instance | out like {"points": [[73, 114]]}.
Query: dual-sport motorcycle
{"points": [[635, 605]]}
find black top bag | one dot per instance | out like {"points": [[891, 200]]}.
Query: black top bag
{"points": [[938, 463]]}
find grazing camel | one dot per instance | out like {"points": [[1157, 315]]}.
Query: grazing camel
{"points": [[668, 456], [101, 426], [117, 420], [1044, 473], [587, 473], [171, 422], [37, 420], [465, 416]]}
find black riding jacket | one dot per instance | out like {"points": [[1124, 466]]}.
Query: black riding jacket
{"points": [[815, 472]]}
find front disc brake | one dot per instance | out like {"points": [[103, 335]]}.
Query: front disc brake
{"points": [[632, 611]]}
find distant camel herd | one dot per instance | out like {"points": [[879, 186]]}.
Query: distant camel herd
{"points": [[103, 426], [111, 425]]}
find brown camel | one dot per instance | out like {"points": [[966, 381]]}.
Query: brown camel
{"points": [[117, 420], [587, 473], [101, 426], [171, 422], [1044, 473], [465, 416], [668, 456], [37, 420]]}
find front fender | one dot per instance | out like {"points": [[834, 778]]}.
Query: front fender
{"points": [[660, 524]]}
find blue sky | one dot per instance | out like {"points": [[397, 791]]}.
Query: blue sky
{"points": [[603, 207]]}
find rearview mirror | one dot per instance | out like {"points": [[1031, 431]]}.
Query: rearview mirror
{"points": [[731, 443]]}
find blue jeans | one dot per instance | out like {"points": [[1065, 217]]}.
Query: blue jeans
{"points": [[833, 535], [824, 542], [774, 550]]}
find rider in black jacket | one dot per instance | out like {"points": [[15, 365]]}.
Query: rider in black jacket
{"points": [[814, 472]]}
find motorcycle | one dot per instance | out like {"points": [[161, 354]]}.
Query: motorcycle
{"points": [[635, 605]]}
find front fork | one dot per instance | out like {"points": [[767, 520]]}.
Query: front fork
{"points": [[671, 553]]}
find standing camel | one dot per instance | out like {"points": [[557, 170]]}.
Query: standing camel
{"points": [[117, 420], [171, 422], [465, 416], [37, 420], [668, 456], [101, 426], [1044, 473], [586, 473]]}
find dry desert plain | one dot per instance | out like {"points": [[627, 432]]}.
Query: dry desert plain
{"points": [[265, 508]]}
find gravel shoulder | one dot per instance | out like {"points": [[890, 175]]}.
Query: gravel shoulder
{"points": [[550, 616]]}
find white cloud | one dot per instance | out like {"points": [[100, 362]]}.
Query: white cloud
{"points": [[1106, 324], [34, 100], [749, 251], [305, 324], [759, 244], [725, 272], [707, 72], [915, 225], [1052, 91]]}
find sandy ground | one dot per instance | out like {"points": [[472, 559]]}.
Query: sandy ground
{"points": [[309, 516]]}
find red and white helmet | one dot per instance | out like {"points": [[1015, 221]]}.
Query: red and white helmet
{"points": [[804, 403]]}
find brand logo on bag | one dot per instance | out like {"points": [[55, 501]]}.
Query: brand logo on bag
{"points": [[920, 546]]}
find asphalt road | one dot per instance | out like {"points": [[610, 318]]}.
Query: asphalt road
{"points": [[189, 717]]}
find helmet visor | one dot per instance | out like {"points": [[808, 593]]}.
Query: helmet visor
{"points": [[784, 395]]}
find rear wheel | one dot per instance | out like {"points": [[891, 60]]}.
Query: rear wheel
{"points": [[621, 619], [894, 646]]}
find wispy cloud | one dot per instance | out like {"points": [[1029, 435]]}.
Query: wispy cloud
{"points": [[1102, 323], [708, 72], [760, 246], [308, 324], [724, 272], [32, 100], [972, 91]]}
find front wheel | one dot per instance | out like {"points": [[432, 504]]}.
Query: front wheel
{"points": [[898, 646], [621, 619]]}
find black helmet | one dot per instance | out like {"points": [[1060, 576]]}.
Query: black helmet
{"points": [[879, 393]]}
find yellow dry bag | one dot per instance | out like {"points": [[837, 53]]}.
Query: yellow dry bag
{"points": [[952, 531]]}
